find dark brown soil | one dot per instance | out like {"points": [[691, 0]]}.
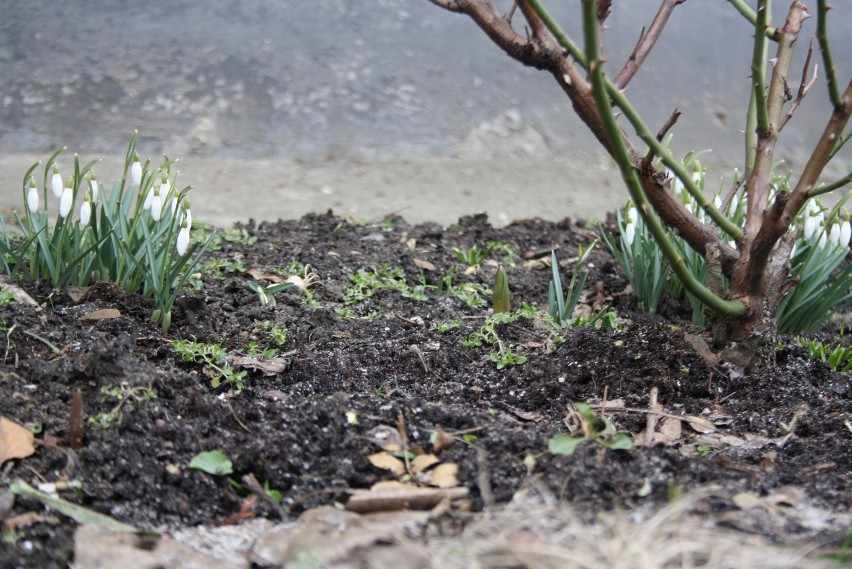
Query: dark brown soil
{"points": [[291, 431]]}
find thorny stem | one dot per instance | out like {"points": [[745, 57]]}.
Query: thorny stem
{"points": [[646, 43], [749, 14], [628, 172], [822, 36], [642, 130]]}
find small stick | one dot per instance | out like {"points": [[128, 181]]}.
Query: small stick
{"points": [[651, 422], [603, 402]]}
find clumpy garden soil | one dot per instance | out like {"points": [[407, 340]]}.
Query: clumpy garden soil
{"points": [[778, 462]]}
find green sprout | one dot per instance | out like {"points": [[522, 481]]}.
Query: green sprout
{"points": [[214, 359], [266, 294], [586, 422], [561, 307]]}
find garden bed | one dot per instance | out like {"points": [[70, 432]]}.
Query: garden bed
{"points": [[768, 452]]}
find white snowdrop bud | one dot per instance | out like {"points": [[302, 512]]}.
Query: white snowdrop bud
{"points": [[85, 212], [834, 234], [717, 202], [66, 200], [632, 215], [93, 186], [32, 197], [165, 186], [156, 206], [56, 182], [811, 224], [149, 198], [187, 214], [629, 233], [136, 169], [845, 233], [173, 205], [182, 240], [822, 240]]}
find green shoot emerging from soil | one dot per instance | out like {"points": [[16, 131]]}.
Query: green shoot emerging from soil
{"points": [[214, 359], [583, 421]]}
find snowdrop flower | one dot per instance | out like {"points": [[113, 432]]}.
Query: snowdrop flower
{"points": [[812, 224], [183, 239], [93, 186], [56, 182], [845, 233], [156, 205], [630, 233], [149, 199], [32, 197], [66, 199], [136, 169], [165, 186], [822, 240], [187, 215], [632, 215], [717, 202], [834, 234], [86, 211]]}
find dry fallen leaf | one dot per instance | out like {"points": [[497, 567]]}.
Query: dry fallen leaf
{"points": [[425, 265], [266, 366], [700, 424], [423, 462], [15, 441], [443, 440], [444, 475], [747, 501], [260, 275], [387, 462], [103, 314], [670, 429]]}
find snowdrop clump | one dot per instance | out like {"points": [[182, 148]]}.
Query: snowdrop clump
{"points": [[137, 235], [822, 244]]}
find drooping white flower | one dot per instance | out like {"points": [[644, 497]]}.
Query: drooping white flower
{"points": [[717, 202], [182, 240], [632, 215], [56, 182], [823, 239], [93, 186], [149, 198], [845, 233], [811, 226], [85, 212], [630, 233], [834, 234], [66, 200], [32, 197], [156, 205], [136, 169]]}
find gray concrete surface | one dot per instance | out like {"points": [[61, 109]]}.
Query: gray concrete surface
{"points": [[277, 108]]}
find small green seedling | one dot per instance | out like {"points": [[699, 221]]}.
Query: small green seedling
{"points": [[472, 257], [213, 357], [124, 393], [505, 357], [502, 301], [561, 307], [212, 462], [583, 419], [266, 294]]}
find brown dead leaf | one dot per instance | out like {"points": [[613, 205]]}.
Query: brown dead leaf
{"points": [[15, 441], [670, 429], [387, 462], [266, 366], [423, 462], [260, 275], [104, 314], [425, 265], [443, 440], [700, 424], [400, 496], [444, 475]]}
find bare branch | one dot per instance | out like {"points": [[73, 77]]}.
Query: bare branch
{"points": [[649, 156], [646, 43], [804, 86]]}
